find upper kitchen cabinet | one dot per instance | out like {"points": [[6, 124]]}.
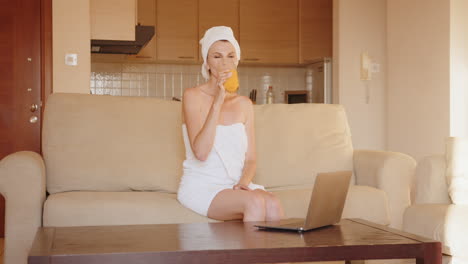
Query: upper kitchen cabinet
{"points": [[211, 14], [113, 19], [269, 31], [315, 30], [146, 17], [177, 30]]}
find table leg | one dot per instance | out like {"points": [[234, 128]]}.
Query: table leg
{"points": [[432, 254], [354, 262]]}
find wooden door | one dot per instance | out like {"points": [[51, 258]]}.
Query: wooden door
{"points": [[316, 30], [20, 75], [177, 30], [228, 16], [269, 31], [25, 74]]}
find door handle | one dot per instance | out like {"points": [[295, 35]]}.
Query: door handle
{"points": [[33, 108]]}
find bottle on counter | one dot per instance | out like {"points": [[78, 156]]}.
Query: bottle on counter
{"points": [[309, 85], [266, 82], [270, 97]]}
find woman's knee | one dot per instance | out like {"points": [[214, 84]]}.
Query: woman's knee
{"points": [[273, 203], [255, 201]]}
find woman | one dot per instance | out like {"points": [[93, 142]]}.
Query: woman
{"points": [[219, 140]]}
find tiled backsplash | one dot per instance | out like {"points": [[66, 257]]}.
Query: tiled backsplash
{"points": [[169, 80]]}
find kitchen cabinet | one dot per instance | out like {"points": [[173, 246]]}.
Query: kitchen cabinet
{"points": [[281, 32], [269, 31], [146, 17], [113, 19], [315, 30], [177, 30], [211, 15]]}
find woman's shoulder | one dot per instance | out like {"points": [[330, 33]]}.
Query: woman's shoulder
{"points": [[191, 93], [244, 100]]}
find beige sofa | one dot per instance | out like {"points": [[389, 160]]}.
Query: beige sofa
{"points": [[433, 214], [117, 161]]}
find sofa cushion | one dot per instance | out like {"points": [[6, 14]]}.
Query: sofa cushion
{"points": [[125, 208], [457, 169], [105, 143], [362, 202], [296, 141], [115, 208], [443, 222]]}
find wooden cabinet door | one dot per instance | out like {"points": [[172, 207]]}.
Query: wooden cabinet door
{"points": [[113, 19], [177, 30], [269, 31], [316, 30], [146, 17], [210, 15]]}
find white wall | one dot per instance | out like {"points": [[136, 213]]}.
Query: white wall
{"points": [[71, 34], [418, 76], [360, 25], [458, 68]]}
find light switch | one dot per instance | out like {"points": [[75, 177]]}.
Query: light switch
{"points": [[71, 59]]}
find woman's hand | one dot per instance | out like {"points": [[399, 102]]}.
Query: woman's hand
{"points": [[241, 186], [221, 92]]}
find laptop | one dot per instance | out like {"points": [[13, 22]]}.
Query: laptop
{"points": [[325, 206]]}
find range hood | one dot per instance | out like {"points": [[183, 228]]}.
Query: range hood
{"points": [[143, 34]]}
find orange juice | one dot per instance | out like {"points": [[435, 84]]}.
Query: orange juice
{"points": [[232, 84]]}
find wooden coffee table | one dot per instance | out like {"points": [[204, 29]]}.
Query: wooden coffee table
{"points": [[227, 242]]}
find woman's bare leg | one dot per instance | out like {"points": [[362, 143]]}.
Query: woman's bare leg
{"points": [[238, 204], [273, 208]]}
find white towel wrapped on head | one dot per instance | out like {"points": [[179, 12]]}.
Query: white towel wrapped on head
{"points": [[211, 36]]}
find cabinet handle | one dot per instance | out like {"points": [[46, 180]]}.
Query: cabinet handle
{"points": [[311, 61], [251, 59], [186, 57]]}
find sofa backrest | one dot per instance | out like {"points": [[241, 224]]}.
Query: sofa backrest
{"points": [[297, 141], [105, 143]]}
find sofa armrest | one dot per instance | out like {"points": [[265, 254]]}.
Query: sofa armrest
{"points": [[391, 172], [23, 184], [430, 186]]}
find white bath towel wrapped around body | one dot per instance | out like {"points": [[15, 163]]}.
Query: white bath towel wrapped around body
{"points": [[203, 180]]}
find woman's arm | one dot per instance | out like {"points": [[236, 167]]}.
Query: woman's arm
{"points": [[250, 164], [202, 131]]}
